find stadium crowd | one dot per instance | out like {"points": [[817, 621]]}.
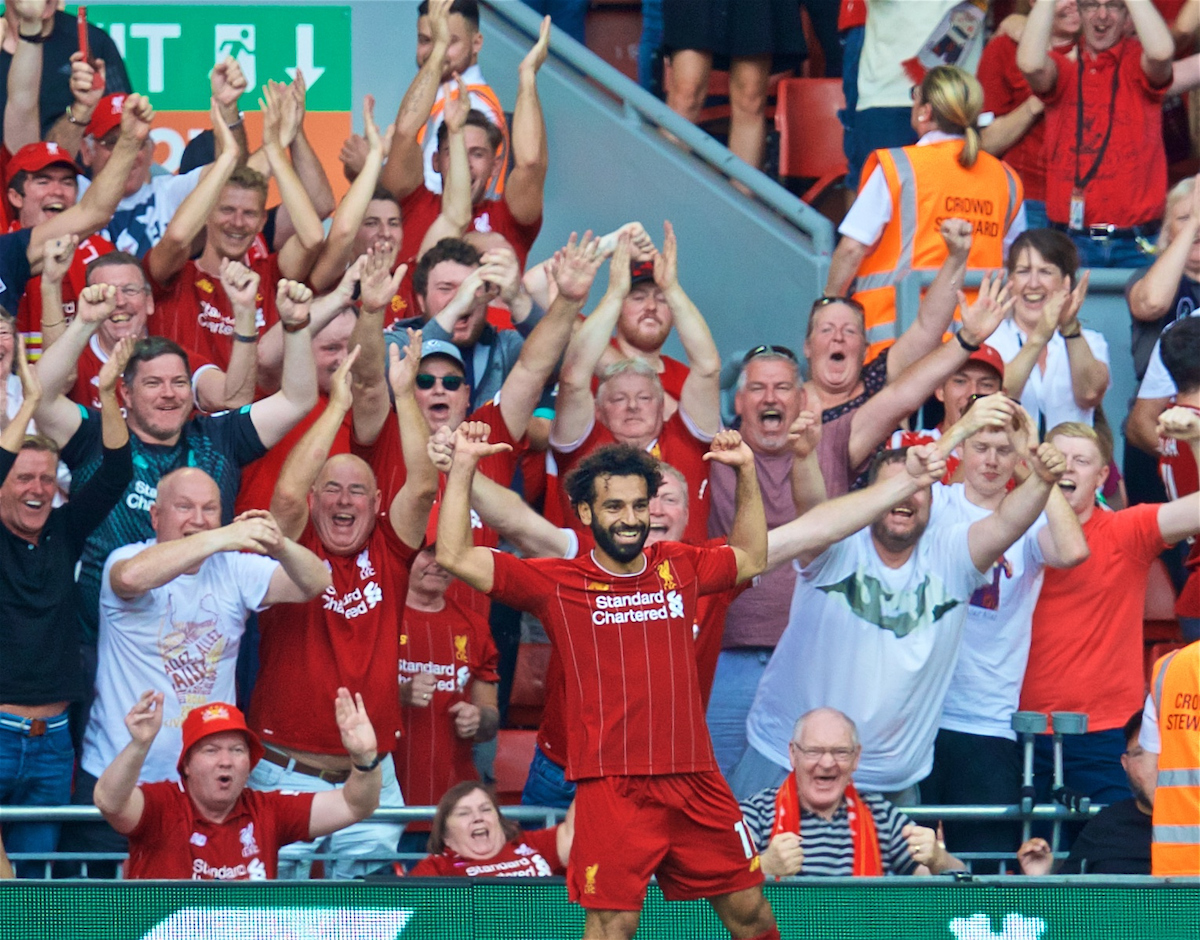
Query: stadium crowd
{"points": [[315, 458]]}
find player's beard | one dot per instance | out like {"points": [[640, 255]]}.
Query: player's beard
{"points": [[618, 551]]}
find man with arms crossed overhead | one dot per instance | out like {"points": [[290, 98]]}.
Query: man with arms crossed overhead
{"points": [[650, 800]]}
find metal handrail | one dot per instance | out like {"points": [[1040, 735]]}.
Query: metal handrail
{"points": [[641, 106], [77, 814]]}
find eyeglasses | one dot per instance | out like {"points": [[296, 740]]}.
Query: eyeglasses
{"points": [[767, 349], [451, 383], [1088, 7], [843, 755], [130, 292]]}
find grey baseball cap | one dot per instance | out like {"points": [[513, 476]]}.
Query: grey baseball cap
{"points": [[439, 347]]}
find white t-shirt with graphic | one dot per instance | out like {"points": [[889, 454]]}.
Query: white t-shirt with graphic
{"points": [[985, 687], [141, 220], [877, 643], [181, 639]]}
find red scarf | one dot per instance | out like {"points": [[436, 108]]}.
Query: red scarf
{"points": [[867, 860]]}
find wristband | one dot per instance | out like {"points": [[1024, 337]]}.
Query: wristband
{"points": [[240, 338], [37, 38], [964, 344], [1078, 333], [71, 117], [367, 768], [238, 123], [297, 327]]}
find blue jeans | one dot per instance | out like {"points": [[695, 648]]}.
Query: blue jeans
{"points": [[1091, 765], [877, 129], [1110, 252], [546, 785], [736, 681], [1035, 217], [852, 43], [34, 771]]}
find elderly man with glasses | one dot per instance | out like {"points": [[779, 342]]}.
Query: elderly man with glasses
{"points": [[817, 823]]}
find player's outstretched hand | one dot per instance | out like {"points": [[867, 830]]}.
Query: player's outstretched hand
{"points": [[729, 448]]}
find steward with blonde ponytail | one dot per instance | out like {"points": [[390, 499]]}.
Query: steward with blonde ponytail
{"points": [[956, 98]]}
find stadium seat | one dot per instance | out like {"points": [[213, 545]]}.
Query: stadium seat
{"points": [[810, 133], [528, 695], [1155, 651], [514, 751]]}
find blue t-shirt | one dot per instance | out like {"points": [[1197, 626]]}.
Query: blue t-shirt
{"points": [[220, 445]]}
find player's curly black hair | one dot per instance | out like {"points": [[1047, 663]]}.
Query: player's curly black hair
{"points": [[612, 460]]}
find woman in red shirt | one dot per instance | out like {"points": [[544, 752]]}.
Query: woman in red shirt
{"points": [[471, 839]]}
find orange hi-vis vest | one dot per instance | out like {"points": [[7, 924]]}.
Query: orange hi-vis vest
{"points": [[495, 114], [928, 186], [1176, 688]]}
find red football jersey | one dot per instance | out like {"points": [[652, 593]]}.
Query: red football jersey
{"points": [[420, 209], [628, 653], [675, 445], [386, 458], [193, 310], [259, 478], [86, 390], [172, 840], [707, 631], [1180, 477], [532, 854], [29, 310], [456, 646], [349, 636]]}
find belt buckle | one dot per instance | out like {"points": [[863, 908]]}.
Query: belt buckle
{"points": [[1102, 232], [37, 727]]}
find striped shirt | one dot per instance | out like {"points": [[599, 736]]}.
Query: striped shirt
{"points": [[828, 848]]}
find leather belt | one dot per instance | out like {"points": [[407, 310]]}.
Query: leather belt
{"points": [[289, 763], [1146, 230], [33, 727]]}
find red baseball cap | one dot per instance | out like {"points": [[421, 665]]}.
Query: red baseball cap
{"points": [[213, 718], [106, 116], [34, 157], [989, 357]]}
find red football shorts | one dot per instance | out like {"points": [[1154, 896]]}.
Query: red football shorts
{"points": [[684, 828]]}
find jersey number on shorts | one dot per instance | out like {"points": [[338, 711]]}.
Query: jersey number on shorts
{"points": [[740, 828]]}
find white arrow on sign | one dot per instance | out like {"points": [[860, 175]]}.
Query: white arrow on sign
{"points": [[1016, 927], [304, 56], [281, 923]]}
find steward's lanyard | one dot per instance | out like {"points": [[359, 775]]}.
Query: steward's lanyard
{"points": [[1081, 182]]}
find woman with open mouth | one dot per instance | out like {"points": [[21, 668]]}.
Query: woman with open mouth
{"points": [[470, 838]]}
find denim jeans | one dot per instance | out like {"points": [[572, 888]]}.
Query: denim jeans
{"points": [[370, 841], [1110, 252], [546, 785], [852, 43], [34, 771], [734, 685], [1035, 217], [876, 129]]}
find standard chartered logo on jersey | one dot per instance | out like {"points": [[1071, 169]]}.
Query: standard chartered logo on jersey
{"points": [[637, 607]]}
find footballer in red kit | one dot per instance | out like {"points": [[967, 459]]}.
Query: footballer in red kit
{"points": [[650, 801]]}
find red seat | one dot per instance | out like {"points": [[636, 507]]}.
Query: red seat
{"points": [[528, 695], [810, 132], [514, 751]]}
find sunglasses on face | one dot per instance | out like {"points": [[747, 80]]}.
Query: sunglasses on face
{"points": [[451, 383]]}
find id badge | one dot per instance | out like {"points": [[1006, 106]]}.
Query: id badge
{"points": [[1075, 222]]}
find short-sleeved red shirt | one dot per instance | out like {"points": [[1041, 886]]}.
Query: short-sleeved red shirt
{"points": [[1004, 90], [532, 854], [675, 445], [349, 636], [173, 841], [86, 390], [708, 630], [1086, 651], [29, 310], [628, 653], [420, 208], [1180, 477], [455, 645], [259, 478], [193, 310], [1130, 186]]}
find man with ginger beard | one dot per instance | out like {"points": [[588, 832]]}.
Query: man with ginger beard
{"points": [[882, 594]]}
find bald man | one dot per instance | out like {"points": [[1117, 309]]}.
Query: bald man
{"points": [[173, 610], [351, 636]]}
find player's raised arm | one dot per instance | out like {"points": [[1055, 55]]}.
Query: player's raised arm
{"points": [[456, 551]]}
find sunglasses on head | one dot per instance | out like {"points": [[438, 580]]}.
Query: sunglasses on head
{"points": [[767, 349], [451, 383], [831, 299]]}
